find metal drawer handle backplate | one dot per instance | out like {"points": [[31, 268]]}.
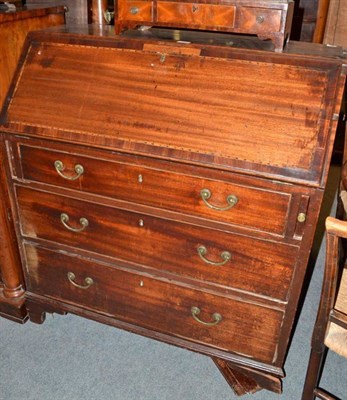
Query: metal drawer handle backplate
{"points": [[225, 255], [64, 218], [88, 281], [260, 19], [216, 317], [134, 10], [59, 167], [231, 200]]}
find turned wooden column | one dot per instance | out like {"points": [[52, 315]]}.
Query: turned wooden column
{"points": [[11, 274], [11, 277]]}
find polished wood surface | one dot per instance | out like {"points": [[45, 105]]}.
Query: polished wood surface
{"points": [[157, 304], [267, 19], [162, 186], [14, 27], [11, 275], [106, 186], [77, 10], [183, 116], [253, 263], [322, 14]]}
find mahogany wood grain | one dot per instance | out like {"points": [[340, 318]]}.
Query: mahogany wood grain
{"points": [[51, 305], [267, 19], [322, 15], [246, 381], [250, 132], [11, 277], [160, 243], [14, 28], [181, 115], [157, 304], [260, 208], [203, 16], [77, 12]]}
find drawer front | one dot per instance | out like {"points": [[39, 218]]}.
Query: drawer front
{"points": [[258, 20], [217, 257], [195, 14], [246, 329], [135, 10], [256, 208]]}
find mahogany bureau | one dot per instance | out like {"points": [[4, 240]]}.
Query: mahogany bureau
{"points": [[172, 187]]}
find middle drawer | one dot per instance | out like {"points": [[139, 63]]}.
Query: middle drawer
{"points": [[222, 258]]}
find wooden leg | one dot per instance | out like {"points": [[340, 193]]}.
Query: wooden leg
{"points": [[313, 373], [245, 380], [37, 311]]}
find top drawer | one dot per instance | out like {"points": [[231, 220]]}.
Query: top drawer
{"points": [[233, 200]]}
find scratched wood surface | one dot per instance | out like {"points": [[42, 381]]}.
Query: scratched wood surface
{"points": [[160, 243], [185, 106], [181, 115], [260, 205], [158, 305]]}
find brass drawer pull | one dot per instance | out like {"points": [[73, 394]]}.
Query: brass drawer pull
{"points": [[231, 200], [59, 167], [64, 218], [216, 317], [88, 281], [225, 255]]}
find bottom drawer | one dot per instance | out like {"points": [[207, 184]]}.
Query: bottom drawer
{"points": [[247, 329]]}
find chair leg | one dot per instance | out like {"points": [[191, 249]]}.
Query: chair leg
{"points": [[313, 373]]}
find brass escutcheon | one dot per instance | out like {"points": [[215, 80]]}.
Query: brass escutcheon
{"points": [[216, 317], [225, 256], [59, 167], [231, 200]]}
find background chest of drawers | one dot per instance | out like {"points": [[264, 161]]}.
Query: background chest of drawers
{"points": [[172, 189], [267, 19]]}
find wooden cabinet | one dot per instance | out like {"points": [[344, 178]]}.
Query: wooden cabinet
{"points": [[172, 188], [14, 27], [267, 19]]}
